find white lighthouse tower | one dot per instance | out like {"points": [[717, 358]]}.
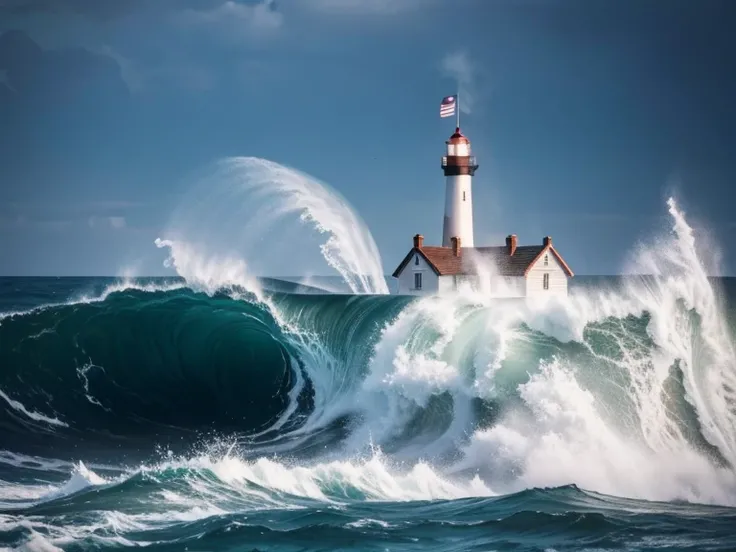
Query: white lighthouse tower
{"points": [[459, 167]]}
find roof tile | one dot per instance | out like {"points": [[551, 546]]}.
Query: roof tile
{"points": [[467, 263], [444, 262]]}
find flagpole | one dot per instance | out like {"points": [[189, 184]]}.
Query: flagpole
{"points": [[457, 106]]}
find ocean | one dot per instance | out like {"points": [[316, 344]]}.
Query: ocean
{"points": [[213, 411], [147, 413]]}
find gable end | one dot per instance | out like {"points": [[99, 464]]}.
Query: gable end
{"points": [[550, 249], [408, 258]]}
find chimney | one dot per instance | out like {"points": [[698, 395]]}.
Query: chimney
{"points": [[511, 243], [456, 246], [547, 241], [418, 241]]}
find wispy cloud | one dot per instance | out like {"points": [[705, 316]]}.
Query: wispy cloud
{"points": [[110, 204], [235, 20], [60, 215], [71, 206], [459, 67], [116, 223], [19, 221], [375, 7], [129, 72], [138, 77], [4, 79]]}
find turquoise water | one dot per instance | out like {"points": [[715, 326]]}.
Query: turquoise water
{"points": [[150, 413]]}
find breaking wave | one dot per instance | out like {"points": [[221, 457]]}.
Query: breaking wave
{"points": [[523, 394]]}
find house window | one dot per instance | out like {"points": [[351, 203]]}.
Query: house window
{"points": [[545, 281], [416, 259], [546, 260], [418, 280], [463, 196]]}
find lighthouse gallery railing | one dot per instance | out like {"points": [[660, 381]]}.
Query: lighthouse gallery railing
{"points": [[459, 161]]}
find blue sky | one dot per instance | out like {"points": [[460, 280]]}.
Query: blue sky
{"points": [[584, 116]]}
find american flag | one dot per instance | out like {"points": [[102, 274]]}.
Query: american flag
{"points": [[447, 107]]}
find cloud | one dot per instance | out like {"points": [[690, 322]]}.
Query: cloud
{"points": [[64, 214], [130, 74], [116, 223], [138, 77], [373, 7], [109, 204], [459, 67], [235, 20], [14, 222], [57, 75], [71, 206]]}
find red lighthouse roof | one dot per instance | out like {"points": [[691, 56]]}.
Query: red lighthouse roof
{"points": [[458, 138]]}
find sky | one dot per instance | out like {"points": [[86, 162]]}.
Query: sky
{"points": [[584, 115]]}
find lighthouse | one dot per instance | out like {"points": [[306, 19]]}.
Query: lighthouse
{"points": [[518, 270], [459, 167]]}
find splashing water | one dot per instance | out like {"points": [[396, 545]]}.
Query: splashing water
{"points": [[691, 328], [208, 274], [255, 209], [598, 409]]}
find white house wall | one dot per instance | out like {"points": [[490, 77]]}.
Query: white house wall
{"points": [[557, 277], [430, 280]]}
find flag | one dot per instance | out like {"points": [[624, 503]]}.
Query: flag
{"points": [[447, 107]]}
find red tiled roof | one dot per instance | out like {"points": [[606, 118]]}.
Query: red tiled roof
{"points": [[444, 262]]}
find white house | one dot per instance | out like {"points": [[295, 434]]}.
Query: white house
{"points": [[511, 270]]}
